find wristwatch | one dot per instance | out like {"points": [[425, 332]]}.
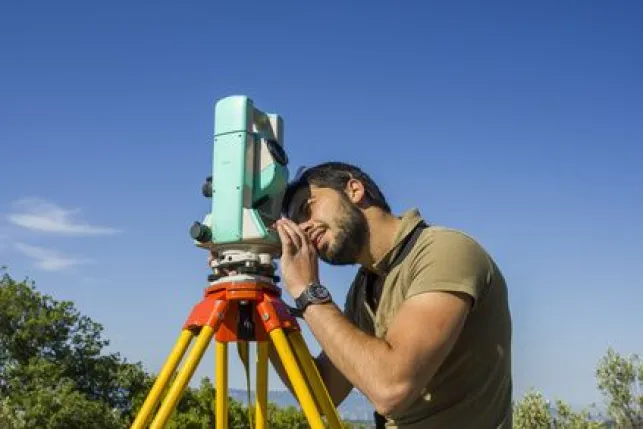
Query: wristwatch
{"points": [[315, 293]]}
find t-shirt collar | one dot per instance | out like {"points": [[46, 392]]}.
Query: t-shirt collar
{"points": [[410, 219]]}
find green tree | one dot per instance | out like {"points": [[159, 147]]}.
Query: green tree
{"points": [[286, 417], [533, 411], [195, 410], [49, 400], [620, 379], [54, 373], [51, 364], [566, 418]]}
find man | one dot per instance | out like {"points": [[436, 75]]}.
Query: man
{"points": [[425, 335]]}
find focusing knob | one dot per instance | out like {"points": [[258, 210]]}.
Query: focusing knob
{"points": [[200, 232], [206, 189]]}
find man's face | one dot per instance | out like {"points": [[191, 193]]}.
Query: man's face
{"points": [[335, 226]]}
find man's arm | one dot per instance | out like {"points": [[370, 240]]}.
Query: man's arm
{"points": [[337, 385], [391, 372]]}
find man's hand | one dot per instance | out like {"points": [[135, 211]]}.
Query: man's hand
{"points": [[299, 263]]}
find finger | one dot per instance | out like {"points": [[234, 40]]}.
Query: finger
{"points": [[286, 242], [288, 221], [303, 239], [292, 233]]}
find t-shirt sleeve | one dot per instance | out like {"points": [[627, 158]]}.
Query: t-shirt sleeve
{"points": [[450, 262]]}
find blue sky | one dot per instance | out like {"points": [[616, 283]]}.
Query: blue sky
{"points": [[520, 124]]}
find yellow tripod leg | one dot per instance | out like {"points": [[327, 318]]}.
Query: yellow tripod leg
{"points": [[261, 412], [182, 379], [164, 376], [221, 400], [314, 378], [296, 378]]}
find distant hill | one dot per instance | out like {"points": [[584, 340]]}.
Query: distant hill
{"points": [[354, 408]]}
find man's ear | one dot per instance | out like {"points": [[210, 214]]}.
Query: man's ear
{"points": [[355, 192]]}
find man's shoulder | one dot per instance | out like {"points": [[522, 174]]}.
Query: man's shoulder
{"points": [[449, 257], [441, 237], [440, 230]]}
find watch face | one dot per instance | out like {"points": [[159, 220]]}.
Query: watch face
{"points": [[319, 292]]}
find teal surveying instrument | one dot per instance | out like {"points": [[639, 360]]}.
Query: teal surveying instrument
{"points": [[242, 302]]}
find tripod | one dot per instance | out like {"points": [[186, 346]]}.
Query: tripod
{"points": [[241, 308]]}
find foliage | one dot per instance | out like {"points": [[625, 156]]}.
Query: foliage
{"points": [[566, 418], [620, 380], [532, 412]]}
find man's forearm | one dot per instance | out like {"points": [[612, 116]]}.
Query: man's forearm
{"points": [[364, 360]]}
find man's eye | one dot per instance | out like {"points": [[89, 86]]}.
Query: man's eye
{"points": [[303, 214]]}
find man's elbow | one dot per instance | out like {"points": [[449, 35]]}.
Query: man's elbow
{"points": [[395, 398]]}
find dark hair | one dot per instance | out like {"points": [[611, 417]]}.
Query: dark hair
{"points": [[336, 175]]}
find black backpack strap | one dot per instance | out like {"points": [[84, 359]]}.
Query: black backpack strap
{"points": [[380, 421], [375, 292], [409, 243], [373, 288]]}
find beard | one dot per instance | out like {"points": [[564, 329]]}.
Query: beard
{"points": [[351, 236]]}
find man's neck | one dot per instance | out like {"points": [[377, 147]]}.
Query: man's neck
{"points": [[382, 229]]}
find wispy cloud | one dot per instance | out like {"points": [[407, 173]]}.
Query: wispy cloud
{"points": [[41, 215], [48, 259]]}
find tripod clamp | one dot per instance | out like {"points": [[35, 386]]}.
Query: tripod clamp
{"points": [[247, 263]]}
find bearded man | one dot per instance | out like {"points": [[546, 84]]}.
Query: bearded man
{"points": [[425, 332]]}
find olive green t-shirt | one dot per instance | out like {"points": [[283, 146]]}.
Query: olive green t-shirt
{"points": [[473, 387]]}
